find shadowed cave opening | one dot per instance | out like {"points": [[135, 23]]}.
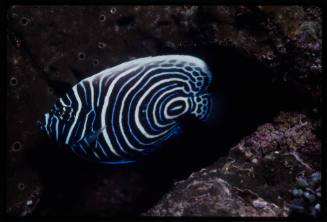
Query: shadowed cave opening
{"points": [[245, 98]]}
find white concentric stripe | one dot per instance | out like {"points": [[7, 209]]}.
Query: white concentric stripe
{"points": [[107, 73], [191, 103], [85, 92], [167, 116], [92, 105], [77, 113], [70, 101], [90, 81], [114, 106], [151, 101], [92, 93], [127, 94], [103, 151], [84, 127], [177, 107], [180, 80], [46, 117], [156, 104], [62, 103], [105, 105], [137, 109], [57, 127], [96, 155], [82, 148], [50, 125], [162, 102], [90, 85], [63, 129], [55, 107], [100, 87]]}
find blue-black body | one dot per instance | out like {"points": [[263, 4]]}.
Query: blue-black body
{"points": [[124, 112]]}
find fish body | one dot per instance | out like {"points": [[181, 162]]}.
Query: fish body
{"points": [[125, 111]]}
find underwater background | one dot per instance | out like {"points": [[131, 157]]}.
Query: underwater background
{"points": [[260, 156]]}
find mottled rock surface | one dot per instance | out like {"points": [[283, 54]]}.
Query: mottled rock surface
{"points": [[257, 178], [264, 60]]}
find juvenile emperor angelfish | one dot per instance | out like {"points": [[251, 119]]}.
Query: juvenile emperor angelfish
{"points": [[125, 111]]}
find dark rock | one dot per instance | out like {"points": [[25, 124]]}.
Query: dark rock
{"points": [[315, 178], [213, 197], [297, 192], [302, 182], [237, 186]]}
